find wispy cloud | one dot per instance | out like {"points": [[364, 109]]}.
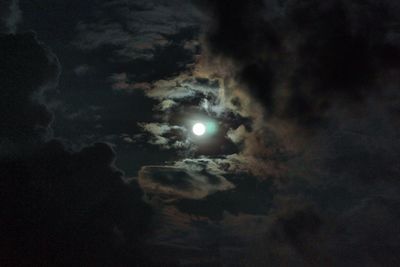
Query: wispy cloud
{"points": [[175, 183]]}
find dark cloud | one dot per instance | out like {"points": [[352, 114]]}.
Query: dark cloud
{"points": [[135, 28], [58, 207], [32, 68], [63, 208], [336, 204], [338, 207], [294, 238], [304, 57], [331, 67], [300, 235], [10, 16], [249, 196]]}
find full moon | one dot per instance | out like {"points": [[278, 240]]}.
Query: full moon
{"points": [[199, 129]]}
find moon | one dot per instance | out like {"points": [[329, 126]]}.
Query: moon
{"points": [[199, 129]]}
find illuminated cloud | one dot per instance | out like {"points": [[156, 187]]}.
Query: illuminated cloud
{"points": [[175, 183], [182, 87], [166, 136]]}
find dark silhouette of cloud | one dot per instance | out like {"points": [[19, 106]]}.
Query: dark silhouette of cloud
{"points": [[26, 69], [300, 58], [63, 208], [58, 207], [10, 16]]}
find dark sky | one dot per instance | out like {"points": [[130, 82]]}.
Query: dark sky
{"points": [[299, 165]]}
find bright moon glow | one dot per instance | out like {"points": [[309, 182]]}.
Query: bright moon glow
{"points": [[199, 129]]}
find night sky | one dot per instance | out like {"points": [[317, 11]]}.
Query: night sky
{"points": [[299, 164]]}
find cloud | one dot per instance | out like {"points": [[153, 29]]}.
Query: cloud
{"points": [[201, 164], [297, 70], [166, 105], [184, 87], [33, 69], [249, 196], [298, 233], [177, 183], [305, 95], [11, 16], [334, 194], [237, 135], [82, 70], [135, 28], [62, 203], [121, 82], [166, 136], [59, 207], [293, 238], [324, 132]]}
